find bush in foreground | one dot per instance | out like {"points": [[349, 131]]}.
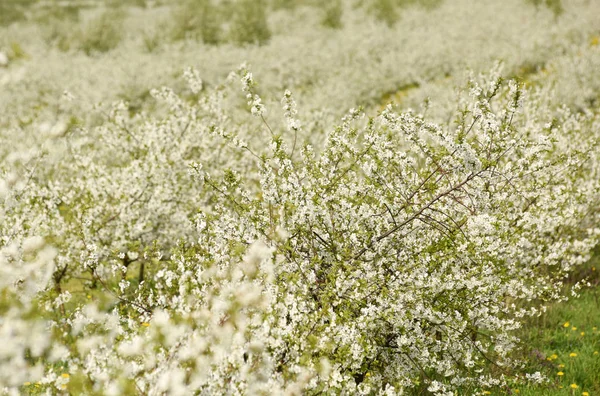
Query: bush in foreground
{"points": [[191, 251]]}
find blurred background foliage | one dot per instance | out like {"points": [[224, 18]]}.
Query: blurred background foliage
{"points": [[96, 26]]}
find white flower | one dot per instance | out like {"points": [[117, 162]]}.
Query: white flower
{"points": [[193, 78], [33, 244], [255, 255]]}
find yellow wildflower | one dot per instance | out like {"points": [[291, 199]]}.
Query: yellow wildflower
{"points": [[573, 328], [572, 354], [560, 373], [487, 392], [27, 383], [582, 333], [595, 352], [567, 324], [585, 394], [554, 356], [145, 324], [65, 375], [561, 366], [574, 386]]}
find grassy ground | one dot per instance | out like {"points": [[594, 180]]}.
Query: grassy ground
{"points": [[564, 343]]}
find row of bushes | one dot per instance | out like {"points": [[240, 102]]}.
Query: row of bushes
{"points": [[240, 22], [186, 251]]}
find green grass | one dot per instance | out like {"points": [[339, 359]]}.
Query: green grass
{"points": [[566, 339]]}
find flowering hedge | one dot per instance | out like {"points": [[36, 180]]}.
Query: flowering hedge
{"points": [[190, 250]]}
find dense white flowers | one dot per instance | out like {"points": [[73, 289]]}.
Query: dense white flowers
{"points": [[193, 79], [289, 107], [168, 242], [254, 101]]}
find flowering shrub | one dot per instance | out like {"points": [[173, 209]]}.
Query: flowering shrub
{"points": [[555, 5], [250, 235], [103, 33], [197, 16], [330, 70], [332, 15], [241, 22], [193, 249]]}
